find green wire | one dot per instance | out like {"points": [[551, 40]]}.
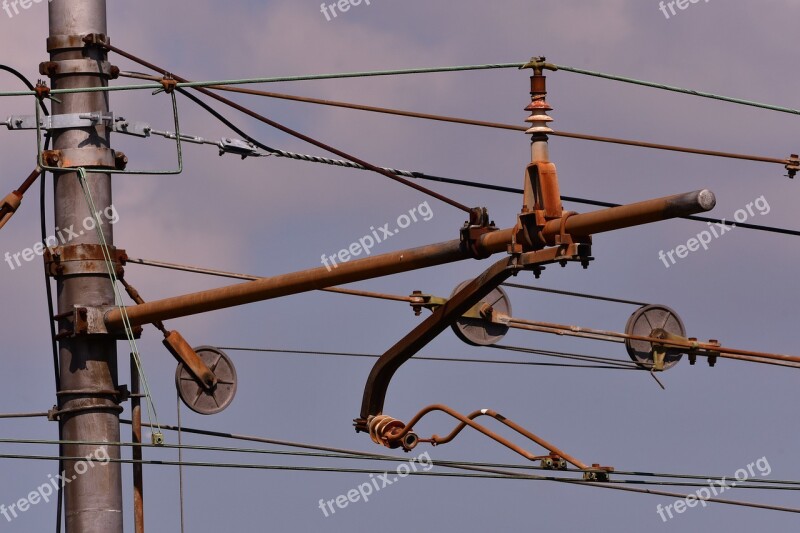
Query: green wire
{"points": [[674, 89], [246, 81], [396, 72], [82, 171], [151, 410]]}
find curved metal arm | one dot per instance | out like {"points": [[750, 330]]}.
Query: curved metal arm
{"points": [[441, 319], [447, 314], [393, 433]]}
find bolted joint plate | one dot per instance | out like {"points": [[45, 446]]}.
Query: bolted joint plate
{"points": [[90, 321], [78, 67], [89, 157], [82, 259], [58, 43]]}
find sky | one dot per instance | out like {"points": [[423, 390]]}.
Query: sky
{"points": [[270, 216]]}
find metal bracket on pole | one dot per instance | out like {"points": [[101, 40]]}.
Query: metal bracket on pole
{"points": [[60, 122], [77, 259], [84, 321], [793, 166]]}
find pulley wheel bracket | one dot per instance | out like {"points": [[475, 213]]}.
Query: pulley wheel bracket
{"points": [[482, 332], [195, 396], [642, 323]]}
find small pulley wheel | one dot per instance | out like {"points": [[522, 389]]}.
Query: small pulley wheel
{"points": [[479, 331], [643, 323], [195, 396]]}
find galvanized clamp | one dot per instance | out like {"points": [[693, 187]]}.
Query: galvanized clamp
{"points": [[60, 122]]}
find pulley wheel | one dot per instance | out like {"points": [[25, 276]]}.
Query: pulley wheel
{"points": [[480, 332], [642, 323], [195, 396]]}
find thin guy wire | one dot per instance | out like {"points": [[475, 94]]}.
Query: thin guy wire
{"points": [[232, 275], [247, 81], [291, 444], [498, 475], [180, 457], [576, 294], [486, 124], [671, 88], [617, 365], [749, 484], [274, 79], [464, 183], [298, 135], [118, 296], [339, 453]]}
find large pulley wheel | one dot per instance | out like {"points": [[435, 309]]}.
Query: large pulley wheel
{"points": [[645, 322], [479, 331], [195, 396]]}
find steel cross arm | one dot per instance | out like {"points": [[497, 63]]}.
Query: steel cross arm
{"points": [[579, 225], [449, 312]]}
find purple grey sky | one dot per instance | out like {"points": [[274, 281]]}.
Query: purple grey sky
{"points": [[270, 216]]}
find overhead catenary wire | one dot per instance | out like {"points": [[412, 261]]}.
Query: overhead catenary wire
{"points": [[486, 124], [626, 365], [297, 134], [575, 294], [672, 88], [398, 72], [748, 484], [607, 362], [495, 475], [342, 290], [453, 181], [559, 329]]}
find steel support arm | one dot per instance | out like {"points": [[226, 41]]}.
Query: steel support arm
{"points": [[446, 314], [416, 258]]}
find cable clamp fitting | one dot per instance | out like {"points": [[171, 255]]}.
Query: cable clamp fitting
{"points": [[478, 225], [792, 166], [539, 63], [43, 91], [168, 85]]}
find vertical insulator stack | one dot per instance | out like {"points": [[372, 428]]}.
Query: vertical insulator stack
{"points": [[539, 107]]}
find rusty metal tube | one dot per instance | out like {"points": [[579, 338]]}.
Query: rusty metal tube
{"points": [[406, 260], [630, 215], [294, 283]]}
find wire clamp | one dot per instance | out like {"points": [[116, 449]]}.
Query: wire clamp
{"points": [[539, 63], [43, 91], [472, 231], [238, 147], [420, 301], [792, 166], [168, 85]]}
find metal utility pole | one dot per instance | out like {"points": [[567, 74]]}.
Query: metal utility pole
{"points": [[88, 399]]}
